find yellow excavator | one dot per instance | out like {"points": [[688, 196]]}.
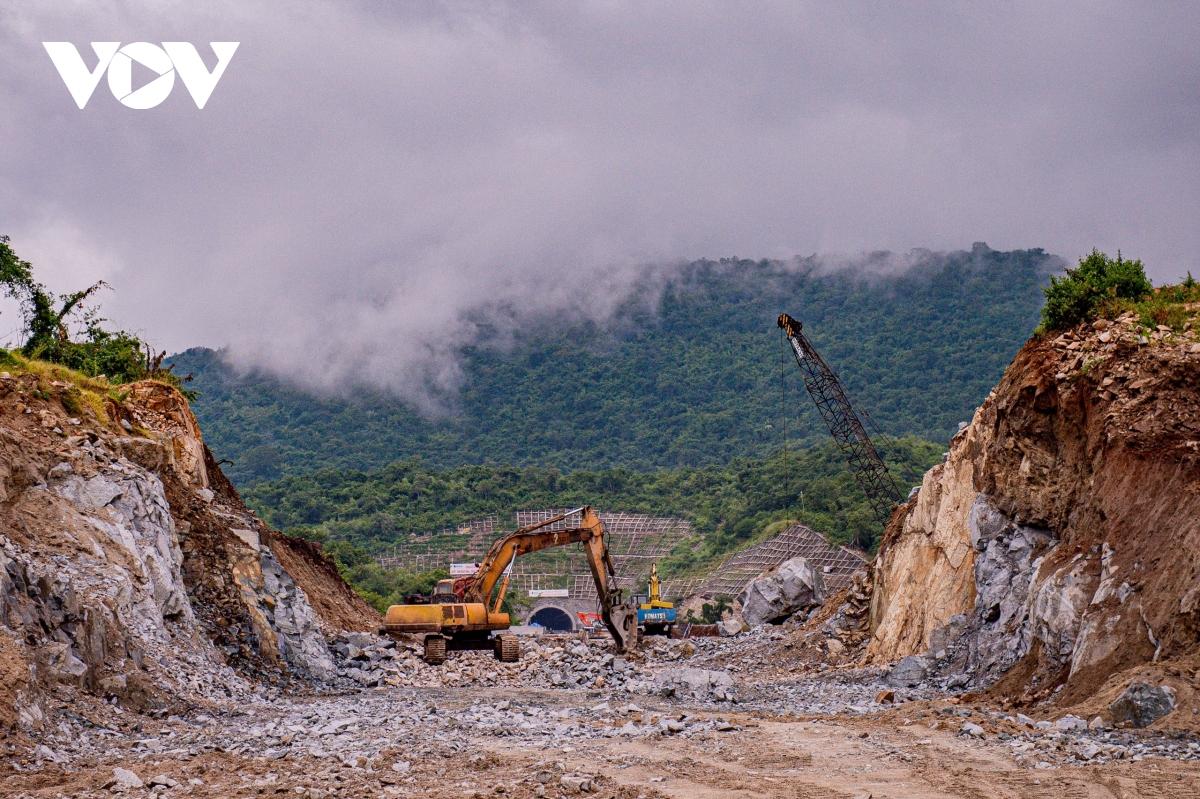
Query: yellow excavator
{"points": [[463, 613]]}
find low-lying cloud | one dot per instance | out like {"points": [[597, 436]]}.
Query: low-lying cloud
{"points": [[369, 181]]}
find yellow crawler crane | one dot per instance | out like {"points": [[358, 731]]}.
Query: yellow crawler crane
{"points": [[464, 613]]}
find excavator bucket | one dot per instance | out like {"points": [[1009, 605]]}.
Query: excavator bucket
{"points": [[621, 621]]}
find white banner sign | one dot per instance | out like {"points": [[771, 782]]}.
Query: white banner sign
{"points": [[549, 593]]}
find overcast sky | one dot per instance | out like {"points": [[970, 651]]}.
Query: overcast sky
{"points": [[366, 176]]}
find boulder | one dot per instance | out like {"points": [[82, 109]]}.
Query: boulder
{"points": [[125, 778], [1142, 704], [791, 586], [728, 627], [1071, 723], [909, 672], [696, 682]]}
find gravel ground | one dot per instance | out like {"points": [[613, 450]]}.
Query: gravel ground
{"points": [[642, 732]]}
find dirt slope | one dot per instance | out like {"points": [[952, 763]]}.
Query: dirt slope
{"points": [[1060, 538], [333, 600]]}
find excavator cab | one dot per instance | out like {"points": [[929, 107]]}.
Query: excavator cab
{"points": [[443, 593]]}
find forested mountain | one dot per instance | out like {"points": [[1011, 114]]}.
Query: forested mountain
{"points": [[699, 379]]}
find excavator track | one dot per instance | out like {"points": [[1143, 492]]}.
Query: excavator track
{"points": [[507, 648], [435, 650]]}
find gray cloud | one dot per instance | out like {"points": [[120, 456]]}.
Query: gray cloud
{"points": [[369, 178]]}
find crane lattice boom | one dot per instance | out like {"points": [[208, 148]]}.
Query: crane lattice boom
{"points": [[843, 423]]}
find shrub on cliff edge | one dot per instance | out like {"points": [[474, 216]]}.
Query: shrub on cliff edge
{"points": [[1077, 296]]}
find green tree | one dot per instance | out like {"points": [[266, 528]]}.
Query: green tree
{"points": [[1078, 295], [15, 275], [45, 316]]}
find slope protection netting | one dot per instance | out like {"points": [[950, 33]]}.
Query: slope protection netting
{"points": [[636, 541], [730, 577]]}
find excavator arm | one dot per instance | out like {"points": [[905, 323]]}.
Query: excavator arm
{"points": [[619, 618]]}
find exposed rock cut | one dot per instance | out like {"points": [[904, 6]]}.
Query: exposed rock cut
{"points": [[129, 567], [1060, 537]]}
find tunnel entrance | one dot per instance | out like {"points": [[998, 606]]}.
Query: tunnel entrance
{"points": [[555, 620]]}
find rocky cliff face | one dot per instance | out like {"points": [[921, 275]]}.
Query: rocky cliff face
{"points": [[1059, 541], [130, 569]]}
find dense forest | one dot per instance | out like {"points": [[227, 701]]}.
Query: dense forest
{"points": [[733, 500], [698, 378]]}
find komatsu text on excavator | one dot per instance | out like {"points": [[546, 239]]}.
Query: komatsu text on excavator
{"points": [[463, 613]]}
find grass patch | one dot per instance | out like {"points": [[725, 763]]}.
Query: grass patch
{"points": [[47, 372], [83, 393], [1170, 306], [70, 402]]}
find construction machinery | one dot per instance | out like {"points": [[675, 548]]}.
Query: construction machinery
{"points": [[465, 612], [590, 622], [655, 615], [843, 423]]}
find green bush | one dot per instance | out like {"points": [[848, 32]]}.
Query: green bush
{"points": [[117, 355], [1078, 295]]}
